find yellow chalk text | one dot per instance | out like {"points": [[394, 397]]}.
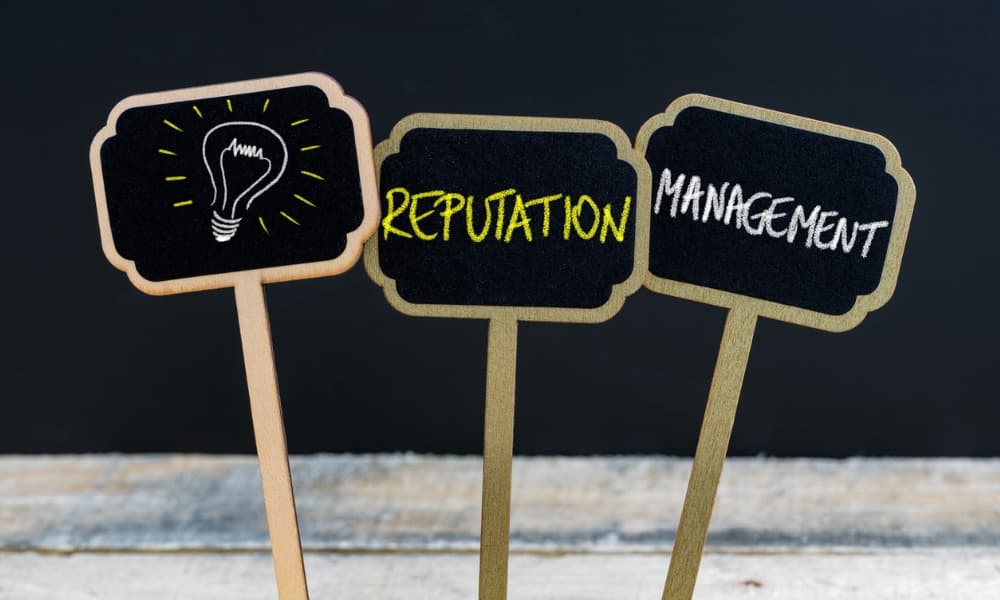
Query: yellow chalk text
{"points": [[504, 216]]}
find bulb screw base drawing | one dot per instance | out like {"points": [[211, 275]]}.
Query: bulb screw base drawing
{"points": [[224, 229]]}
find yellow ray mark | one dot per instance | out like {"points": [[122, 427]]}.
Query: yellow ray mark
{"points": [[167, 152], [299, 122], [308, 148], [229, 104], [196, 111], [263, 226], [313, 175], [172, 126], [175, 178], [300, 198], [183, 203], [284, 214], [266, 102]]}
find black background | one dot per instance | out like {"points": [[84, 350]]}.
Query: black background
{"points": [[550, 271], [786, 162], [171, 243], [90, 363]]}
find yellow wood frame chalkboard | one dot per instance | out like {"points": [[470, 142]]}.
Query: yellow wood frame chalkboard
{"points": [[502, 345], [773, 310], [737, 337], [522, 313]]}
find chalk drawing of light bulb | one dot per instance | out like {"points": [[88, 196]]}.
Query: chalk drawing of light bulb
{"points": [[244, 159]]}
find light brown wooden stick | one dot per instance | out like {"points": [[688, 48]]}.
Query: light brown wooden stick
{"points": [[498, 448], [713, 442], [269, 433]]}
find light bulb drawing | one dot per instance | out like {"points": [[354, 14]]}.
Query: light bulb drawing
{"points": [[244, 159], [259, 176], [242, 149]]}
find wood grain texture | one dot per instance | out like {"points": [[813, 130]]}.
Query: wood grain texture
{"points": [[405, 526], [423, 503], [269, 435], [957, 574], [710, 456], [498, 450]]}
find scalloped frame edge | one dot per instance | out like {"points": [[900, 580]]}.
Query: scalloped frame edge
{"points": [[366, 170], [863, 304], [619, 291]]}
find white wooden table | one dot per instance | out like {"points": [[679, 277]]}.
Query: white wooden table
{"points": [[403, 526]]}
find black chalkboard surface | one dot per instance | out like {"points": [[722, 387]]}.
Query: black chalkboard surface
{"points": [[806, 218], [252, 176], [486, 213]]}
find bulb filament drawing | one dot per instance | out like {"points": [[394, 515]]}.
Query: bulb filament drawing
{"points": [[244, 159]]}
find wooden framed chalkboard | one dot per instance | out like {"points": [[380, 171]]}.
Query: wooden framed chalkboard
{"points": [[237, 185], [783, 216], [536, 219], [266, 176], [508, 219], [769, 215]]}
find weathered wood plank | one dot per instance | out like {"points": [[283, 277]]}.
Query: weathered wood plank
{"points": [[407, 502], [962, 574]]}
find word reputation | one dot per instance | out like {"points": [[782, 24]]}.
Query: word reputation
{"points": [[431, 215]]}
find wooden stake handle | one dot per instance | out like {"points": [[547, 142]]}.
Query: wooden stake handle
{"points": [[269, 433], [498, 449], [713, 442]]}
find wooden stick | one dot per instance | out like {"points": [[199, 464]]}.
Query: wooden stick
{"points": [[713, 442], [269, 433], [498, 449]]}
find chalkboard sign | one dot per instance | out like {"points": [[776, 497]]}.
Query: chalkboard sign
{"points": [[543, 219], [770, 215], [508, 219], [237, 185], [787, 217], [272, 175]]}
